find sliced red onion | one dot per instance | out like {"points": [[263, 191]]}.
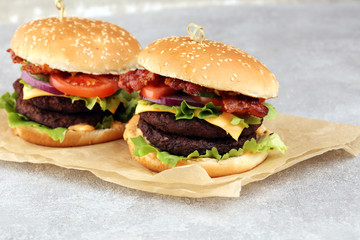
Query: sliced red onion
{"points": [[45, 86], [174, 100]]}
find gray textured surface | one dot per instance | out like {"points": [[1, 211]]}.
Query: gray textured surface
{"points": [[314, 52]]}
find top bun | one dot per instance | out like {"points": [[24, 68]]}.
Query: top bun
{"points": [[77, 45], [211, 64]]}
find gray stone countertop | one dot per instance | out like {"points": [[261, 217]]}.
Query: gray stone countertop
{"points": [[313, 49]]}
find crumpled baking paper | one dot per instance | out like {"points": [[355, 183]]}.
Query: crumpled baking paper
{"points": [[112, 162]]}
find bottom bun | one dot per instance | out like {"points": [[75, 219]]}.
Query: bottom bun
{"points": [[72, 138], [214, 168]]}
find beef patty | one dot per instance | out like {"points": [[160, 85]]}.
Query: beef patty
{"points": [[54, 117], [184, 145], [166, 122]]}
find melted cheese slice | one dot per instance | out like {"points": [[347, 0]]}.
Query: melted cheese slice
{"points": [[29, 93], [35, 92], [223, 121]]}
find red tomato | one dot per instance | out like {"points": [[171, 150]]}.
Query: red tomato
{"points": [[156, 91], [205, 100], [85, 85]]}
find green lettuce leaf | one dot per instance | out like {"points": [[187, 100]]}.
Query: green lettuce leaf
{"points": [[129, 103], [268, 142], [41, 77], [186, 111], [8, 102], [19, 120], [105, 123], [272, 114]]}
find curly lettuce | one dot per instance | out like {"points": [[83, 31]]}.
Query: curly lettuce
{"points": [[267, 142]]}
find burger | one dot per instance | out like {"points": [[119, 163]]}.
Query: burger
{"points": [[203, 102], [68, 92]]}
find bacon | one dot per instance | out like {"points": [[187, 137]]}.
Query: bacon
{"points": [[234, 103], [137, 79], [189, 88], [243, 106], [32, 68]]}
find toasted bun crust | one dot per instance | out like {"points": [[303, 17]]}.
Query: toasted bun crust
{"points": [[213, 167], [77, 45], [213, 64], [72, 138]]}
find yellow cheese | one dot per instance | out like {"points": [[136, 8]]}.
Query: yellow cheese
{"points": [[223, 121], [35, 92]]}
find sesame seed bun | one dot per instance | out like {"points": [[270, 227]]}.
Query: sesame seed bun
{"points": [[77, 45], [213, 167], [212, 64]]}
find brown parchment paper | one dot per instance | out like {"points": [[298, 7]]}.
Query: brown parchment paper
{"points": [[112, 162]]}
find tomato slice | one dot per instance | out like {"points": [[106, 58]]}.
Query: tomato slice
{"points": [[85, 85], [156, 91], [205, 100]]}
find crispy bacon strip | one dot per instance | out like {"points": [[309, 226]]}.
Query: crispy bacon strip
{"points": [[189, 88], [242, 106], [236, 104], [32, 68], [137, 79]]}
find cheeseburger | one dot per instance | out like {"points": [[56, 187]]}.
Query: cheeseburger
{"points": [[68, 93], [203, 102]]}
